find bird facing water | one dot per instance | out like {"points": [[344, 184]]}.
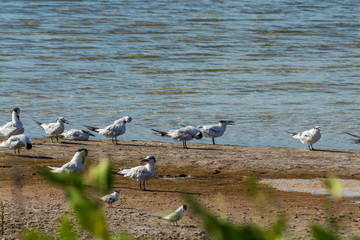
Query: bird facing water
{"points": [[308, 137], [15, 127], [76, 165], [183, 134], [140, 173], [214, 131], [113, 130], [16, 142], [54, 129]]}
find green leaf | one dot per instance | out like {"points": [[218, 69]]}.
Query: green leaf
{"points": [[66, 230], [321, 234], [34, 234], [63, 179], [227, 231], [88, 213], [333, 186], [101, 176]]}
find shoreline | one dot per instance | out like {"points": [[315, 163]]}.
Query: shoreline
{"points": [[210, 172]]}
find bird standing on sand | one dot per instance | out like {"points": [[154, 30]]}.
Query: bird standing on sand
{"points": [[113, 130], [175, 216], [140, 173], [15, 127], [308, 137], [213, 131], [16, 142], [79, 135], [76, 165], [356, 136], [54, 129], [183, 134], [110, 198]]}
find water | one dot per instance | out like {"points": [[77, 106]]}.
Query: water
{"points": [[270, 67]]}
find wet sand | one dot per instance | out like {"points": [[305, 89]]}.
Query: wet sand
{"points": [[214, 174]]}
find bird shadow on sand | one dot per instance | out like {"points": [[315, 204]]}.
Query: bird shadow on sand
{"points": [[329, 150], [73, 143], [160, 191], [36, 157]]}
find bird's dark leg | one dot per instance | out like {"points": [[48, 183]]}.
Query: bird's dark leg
{"points": [[144, 186], [15, 152], [51, 139], [309, 147], [116, 143], [312, 148], [140, 186], [184, 144], [57, 139], [112, 140], [213, 140]]}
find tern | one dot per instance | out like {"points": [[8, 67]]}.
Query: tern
{"points": [[76, 165], [183, 134], [79, 135], [175, 216], [356, 136], [140, 173], [213, 131], [54, 129], [16, 142], [110, 198], [308, 137], [15, 127], [113, 130]]}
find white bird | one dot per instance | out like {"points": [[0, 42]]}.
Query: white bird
{"points": [[356, 136], [79, 135], [175, 216], [16, 142], [308, 137], [113, 130], [54, 129], [110, 198], [15, 127], [76, 165], [213, 131], [183, 134], [140, 173]]}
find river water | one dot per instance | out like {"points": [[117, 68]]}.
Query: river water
{"points": [[270, 66]]}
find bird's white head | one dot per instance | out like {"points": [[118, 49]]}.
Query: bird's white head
{"points": [[127, 119], [118, 191], [149, 159], [83, 153], [198, 135], [184, 207], [318, 128], [61, 119], [226, 122]]}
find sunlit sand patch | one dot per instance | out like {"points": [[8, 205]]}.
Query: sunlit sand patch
{"points": [[350, 188]]}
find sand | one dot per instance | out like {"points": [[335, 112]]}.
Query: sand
{"points": [[214, 174]]}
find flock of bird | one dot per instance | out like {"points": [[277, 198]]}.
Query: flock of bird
{"points": [[14, 131]]}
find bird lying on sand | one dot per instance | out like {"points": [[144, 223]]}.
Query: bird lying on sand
{"points": [[78, 135], [112, 131], [15, 127], [76, 165], [175, 216], [53, 129], [213, 131], [183, 134], [16, 142], [308, 137], [140, 173], [110, 198]]}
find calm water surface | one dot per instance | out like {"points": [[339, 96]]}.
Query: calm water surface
{"points": [[270, 67]]}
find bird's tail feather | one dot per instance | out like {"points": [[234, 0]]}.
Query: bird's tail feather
{"points": [[294, 135], [54, 169], [92, 128], [38, 123], [353, 135], [160, 133]]}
